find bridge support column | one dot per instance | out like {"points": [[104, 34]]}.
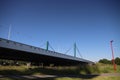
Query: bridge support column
{"points": [[42, 65], [28, 65]]}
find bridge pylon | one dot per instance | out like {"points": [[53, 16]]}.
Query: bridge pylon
{"points": [[74, 49], [47, 45]]}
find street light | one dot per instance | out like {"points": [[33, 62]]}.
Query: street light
{"points": [[113, 61]]}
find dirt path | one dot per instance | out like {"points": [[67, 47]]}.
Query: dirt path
{"points": [[110, 74]]}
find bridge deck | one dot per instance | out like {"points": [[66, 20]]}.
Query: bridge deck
{"points": [[18, 51]]}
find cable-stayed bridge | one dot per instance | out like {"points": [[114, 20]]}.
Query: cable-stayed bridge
{"points": [[18, 51]]}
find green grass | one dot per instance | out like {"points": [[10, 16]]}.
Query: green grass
{"points": [[107, 68]]}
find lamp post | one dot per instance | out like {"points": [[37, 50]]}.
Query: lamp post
{"points": [[113, 61]]}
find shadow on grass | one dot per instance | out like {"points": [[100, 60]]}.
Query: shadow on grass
{"points": [[58, 73], [56, 77]]}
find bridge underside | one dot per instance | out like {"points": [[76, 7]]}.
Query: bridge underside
{"points": [[37, 58]]}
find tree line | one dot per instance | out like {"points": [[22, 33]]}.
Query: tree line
{"points": [[106, 61]]}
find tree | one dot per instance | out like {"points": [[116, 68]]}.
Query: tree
{"points": [[105, 61], [117, 60]]}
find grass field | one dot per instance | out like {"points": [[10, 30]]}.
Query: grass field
{"points": [[80, 72]]}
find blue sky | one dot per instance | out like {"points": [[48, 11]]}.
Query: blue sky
{"points": [[89, 23]]}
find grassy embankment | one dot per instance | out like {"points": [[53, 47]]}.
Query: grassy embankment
{"points": [[24, 70], [81, 70]]}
